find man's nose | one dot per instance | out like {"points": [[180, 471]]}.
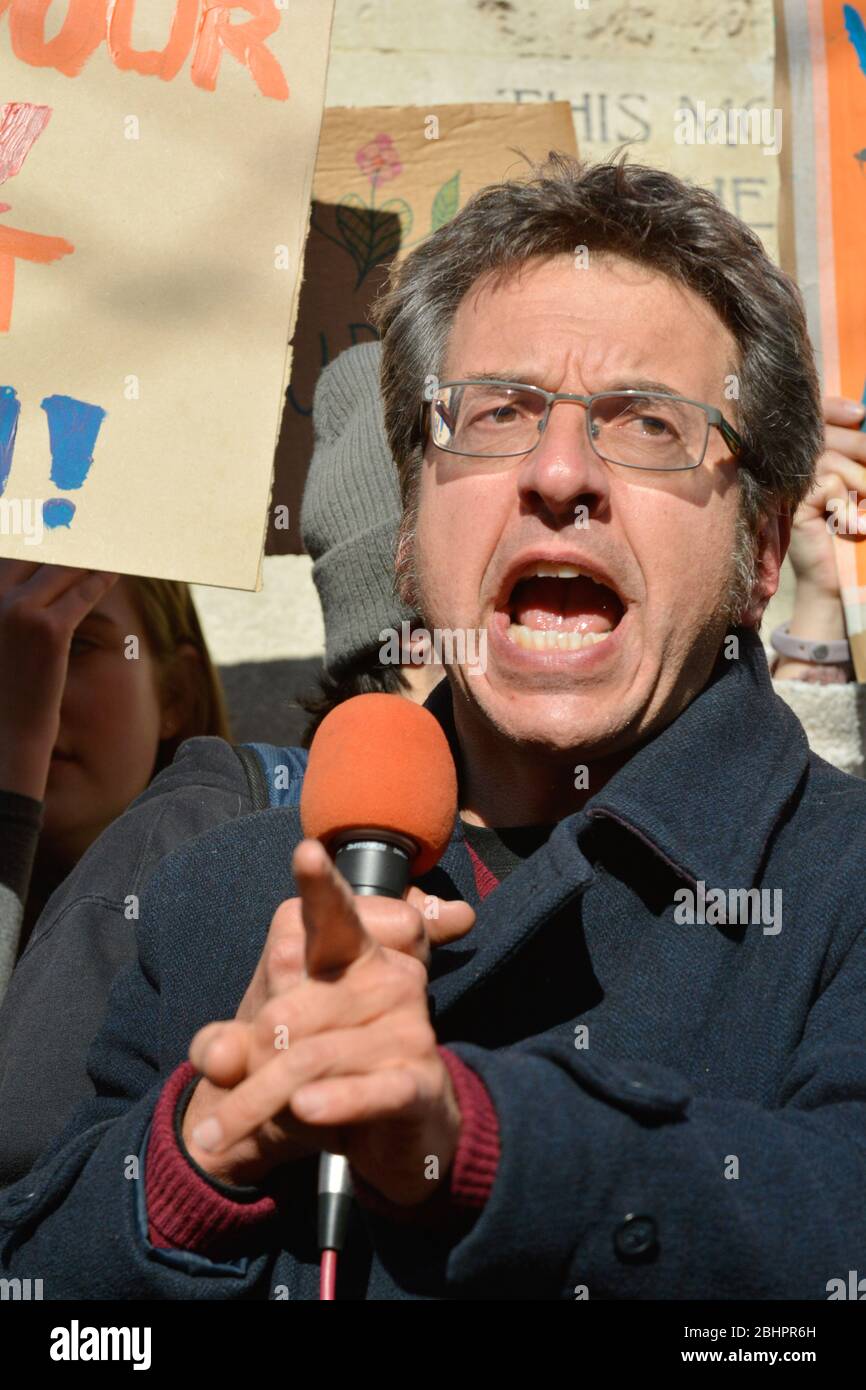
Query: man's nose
{"points": [[563, 467]]}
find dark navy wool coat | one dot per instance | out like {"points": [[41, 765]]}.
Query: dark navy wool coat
{"points": [[682, 1105]]}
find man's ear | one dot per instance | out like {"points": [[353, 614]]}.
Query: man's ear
{"points": [[179, 690], [771, 547]]}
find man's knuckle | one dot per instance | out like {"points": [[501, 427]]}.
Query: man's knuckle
{"points": [[244, 1110], [274, 1014], [413, 981], [413, 919], [398, 980], [286, 917], [286, 953], [308, 1054], [417, 1035]]}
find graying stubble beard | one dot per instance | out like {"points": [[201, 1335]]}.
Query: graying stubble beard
{"points": [[744, 573], [741, 583]]}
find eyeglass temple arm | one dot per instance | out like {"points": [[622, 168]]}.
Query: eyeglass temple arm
{"points": [[728, 433]]}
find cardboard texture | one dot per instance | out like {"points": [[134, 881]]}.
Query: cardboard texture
{"points": [[156, 165], [386, 177], [822, 87]]}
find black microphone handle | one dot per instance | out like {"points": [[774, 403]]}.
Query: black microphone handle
{"points": [[374, 862]]}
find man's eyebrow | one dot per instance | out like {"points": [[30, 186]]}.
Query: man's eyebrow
{"points": [[531, 378], [521, 378], [644, 384]]}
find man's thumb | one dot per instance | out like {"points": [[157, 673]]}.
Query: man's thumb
{"points": [[444, 919]]}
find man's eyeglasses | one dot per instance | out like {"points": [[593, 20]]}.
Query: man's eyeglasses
{"points": [[633, 428]]}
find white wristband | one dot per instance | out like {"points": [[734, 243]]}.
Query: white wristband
{"points": [[836, 653]]}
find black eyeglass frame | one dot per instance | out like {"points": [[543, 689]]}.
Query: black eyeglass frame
{"points": [[715, 420]]}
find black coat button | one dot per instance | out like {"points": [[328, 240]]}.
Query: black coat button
{"points": [[637, 1238]]}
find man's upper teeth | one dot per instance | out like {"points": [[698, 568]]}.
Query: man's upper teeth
{"points": [[554, 571]]}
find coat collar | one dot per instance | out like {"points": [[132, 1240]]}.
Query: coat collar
{"points": [[706, 793]]}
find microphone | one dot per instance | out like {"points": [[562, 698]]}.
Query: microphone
{"points": [[380, 792]]}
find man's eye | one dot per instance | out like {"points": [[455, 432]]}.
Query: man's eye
{"points": [[504, 413], [650, 426], [653, 425], [79, 645]]}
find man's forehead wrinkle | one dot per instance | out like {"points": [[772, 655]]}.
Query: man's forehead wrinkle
{"points": [[611, 367], [595, 340]]}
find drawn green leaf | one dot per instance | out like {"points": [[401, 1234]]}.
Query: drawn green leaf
{"points": [[446, 202], [354, 223], [371, 235]]}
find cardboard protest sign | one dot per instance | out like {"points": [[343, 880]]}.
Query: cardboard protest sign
{"points": [[386, 177], [156, 162], [822, 72]]}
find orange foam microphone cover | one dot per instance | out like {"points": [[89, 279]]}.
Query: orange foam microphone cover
{"points": [[381, 762]]}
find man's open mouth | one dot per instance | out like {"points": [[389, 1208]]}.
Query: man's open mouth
{"points": [[560, 607]]}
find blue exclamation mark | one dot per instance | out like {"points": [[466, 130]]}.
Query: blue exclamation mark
{"points": [[10, 409], [73, 427]]}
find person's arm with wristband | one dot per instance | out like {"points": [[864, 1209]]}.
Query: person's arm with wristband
{"points": [[810, 646]]}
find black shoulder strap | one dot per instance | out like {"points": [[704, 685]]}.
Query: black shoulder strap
{"points": [[256, 781]]}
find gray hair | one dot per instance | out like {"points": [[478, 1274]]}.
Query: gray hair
{"points": [[644, 215]]}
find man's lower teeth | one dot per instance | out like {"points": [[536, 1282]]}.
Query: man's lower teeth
{"points": [[548, 639]]}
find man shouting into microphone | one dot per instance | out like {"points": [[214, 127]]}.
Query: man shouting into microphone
{"points": [[632, 1063]]}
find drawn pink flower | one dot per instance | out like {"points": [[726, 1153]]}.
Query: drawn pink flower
{"points": [[378, 159]]}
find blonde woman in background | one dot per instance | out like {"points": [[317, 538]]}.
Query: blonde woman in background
{"points": [[101, 680]]}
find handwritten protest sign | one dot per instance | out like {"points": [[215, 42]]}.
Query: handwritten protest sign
{"points": [[823, 86], [386, 177], [156, 163]]}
